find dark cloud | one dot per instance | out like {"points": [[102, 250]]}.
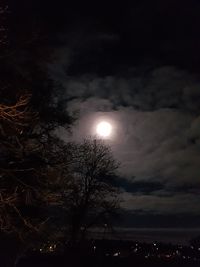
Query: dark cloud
{"points": [[142, 219], [155, 188], [156, 123], [138, 187], [164, 87], [166, 31], [185, 203]]}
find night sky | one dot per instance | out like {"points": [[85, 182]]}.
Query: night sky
{"points": [[135, 64]]}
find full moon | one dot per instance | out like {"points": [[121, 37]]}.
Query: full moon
{"points": [[104, 129]]}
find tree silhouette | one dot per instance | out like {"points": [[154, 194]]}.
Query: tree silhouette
{"points": [[28, 153], [30, 161], [89, 196]]}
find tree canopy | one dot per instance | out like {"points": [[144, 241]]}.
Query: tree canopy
{"points": [[89, 197]]}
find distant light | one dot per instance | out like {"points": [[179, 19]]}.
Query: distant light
{"points": [[116, 254]]}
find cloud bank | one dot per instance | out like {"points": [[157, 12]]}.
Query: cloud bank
{"points": [[156, 119]]}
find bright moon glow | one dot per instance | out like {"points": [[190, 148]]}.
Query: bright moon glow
{"points": [[104, 129]]}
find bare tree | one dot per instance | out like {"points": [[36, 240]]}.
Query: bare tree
{"points": [[89, 196], [28, 163], [28, 159], [19, 165]]}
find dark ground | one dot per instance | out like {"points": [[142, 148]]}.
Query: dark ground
{"points": [[59, 262]]}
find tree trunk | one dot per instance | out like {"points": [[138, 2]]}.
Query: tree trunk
{"points": [[75, 233]]}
